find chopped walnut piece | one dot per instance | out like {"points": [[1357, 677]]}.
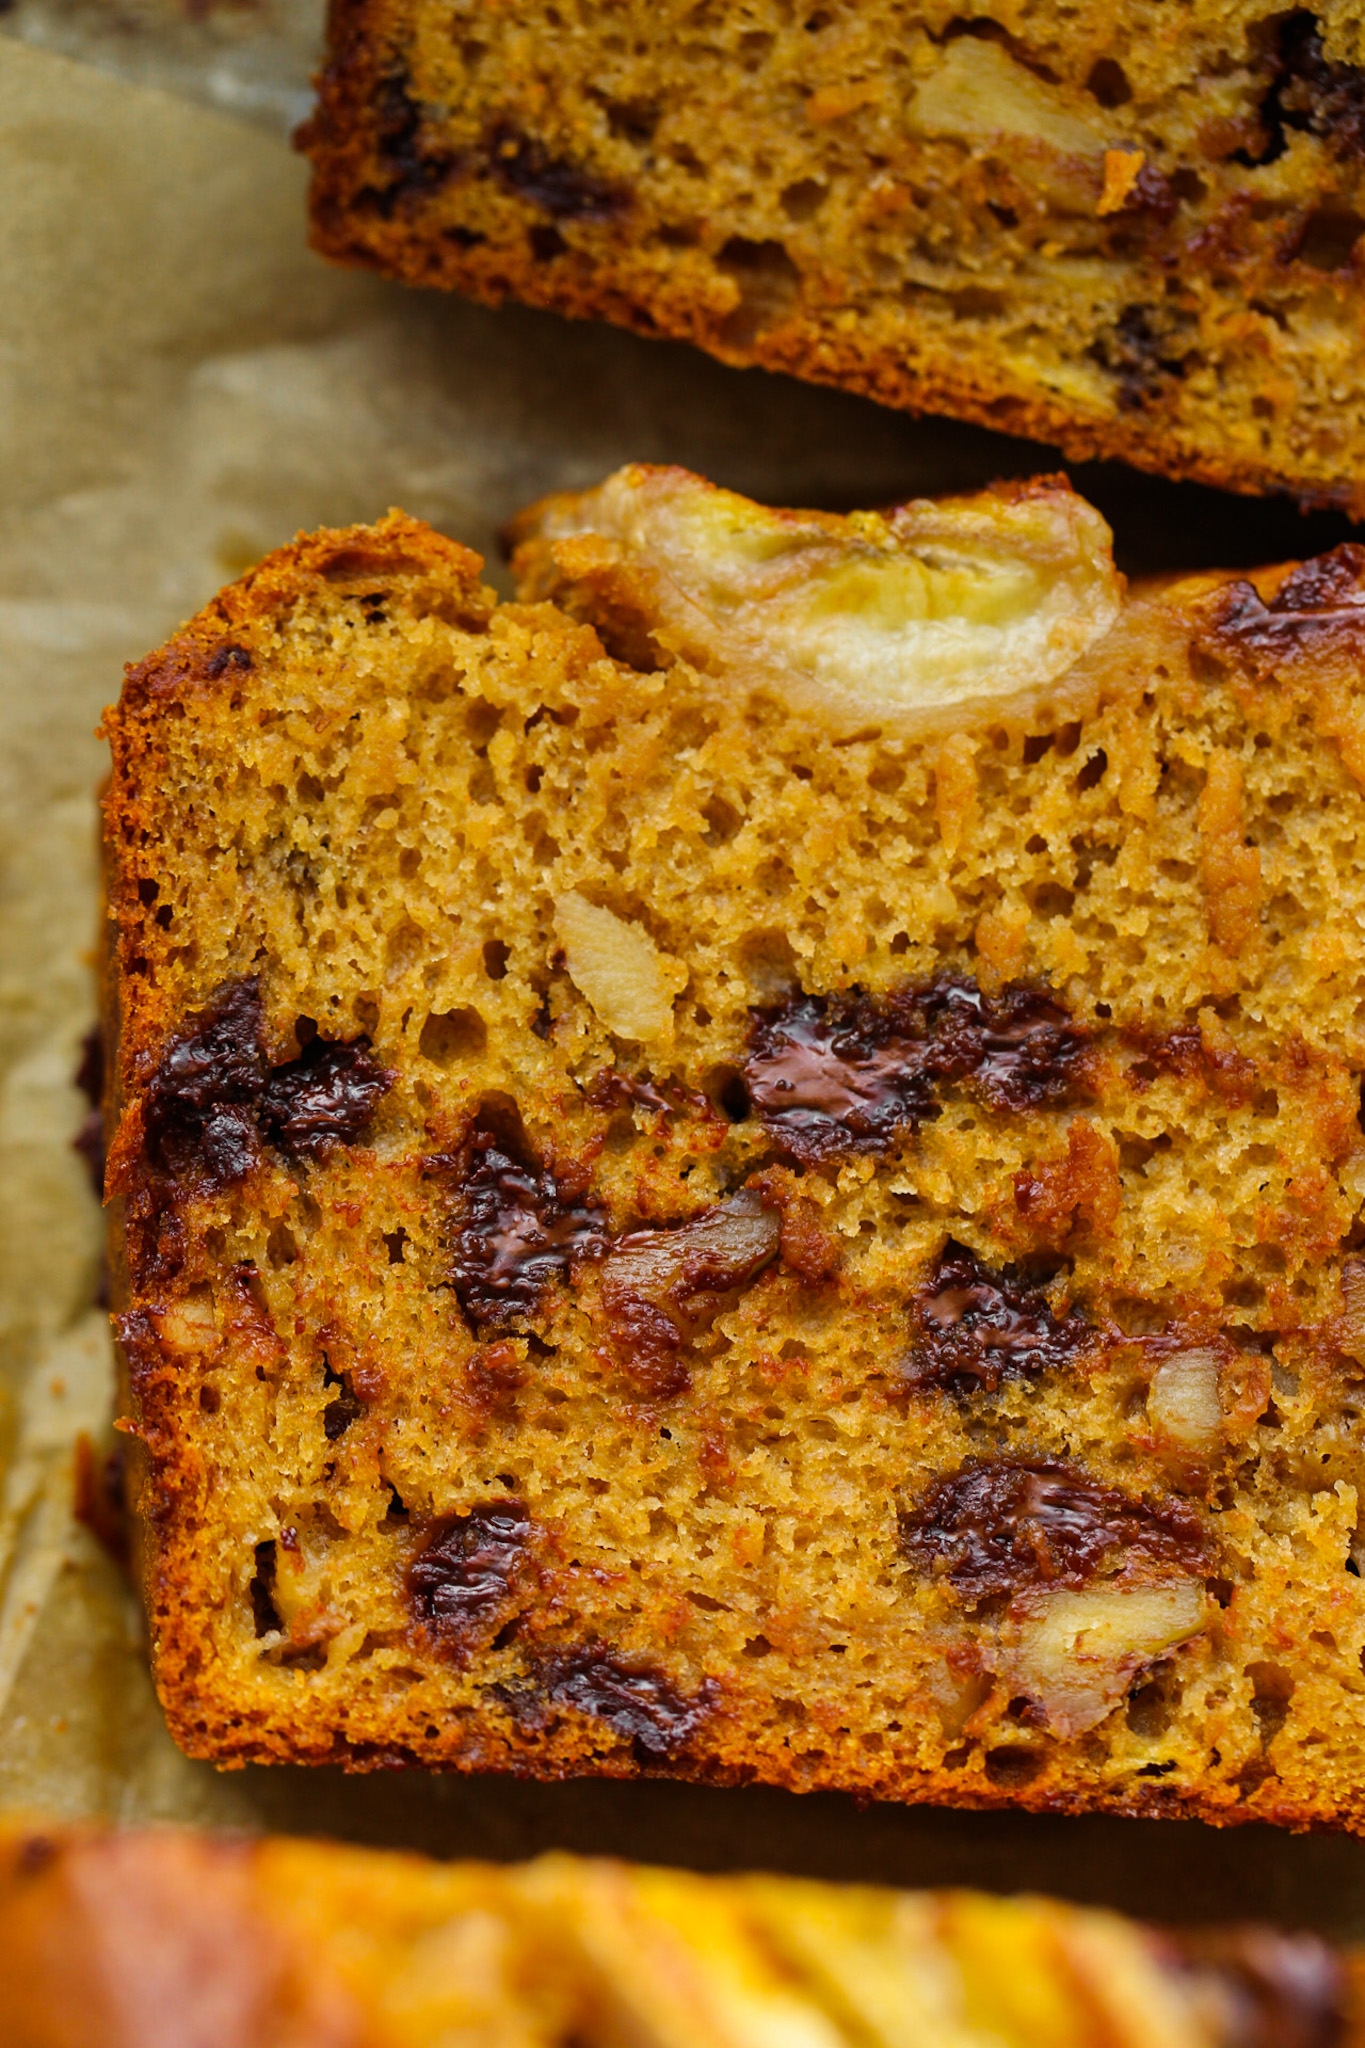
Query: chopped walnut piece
{"points": [[1080, 1649], [927, 618], [722, 1248], [1183, 1404], [659, 1286], [616, 965], [979, 91], [189, 1325]]}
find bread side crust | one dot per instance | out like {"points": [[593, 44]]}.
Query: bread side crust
{"points": [[168, 1486]]}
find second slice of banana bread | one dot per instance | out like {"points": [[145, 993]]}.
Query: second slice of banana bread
{"points": [[1124, 230]]}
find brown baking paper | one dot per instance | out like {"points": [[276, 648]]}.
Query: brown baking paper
{"points": [[182, 386]]}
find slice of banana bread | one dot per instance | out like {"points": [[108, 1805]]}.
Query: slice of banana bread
{"points": [[752, 1167], [137, 1939], [1127, 230]]}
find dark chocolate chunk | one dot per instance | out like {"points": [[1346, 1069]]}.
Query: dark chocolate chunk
{"points": [[522, 165], [325, 1097], [1269, 1990], [634, 1700], [412, 166], [611, 1089], [999, 1526], [1141, 353], [343, 1409], [463, 1575], [200, 1111], [213, 1095], [974, 1328], [1019, 1049], [520, 1231], [1311, 95], [225, 657], [830, 1075]]}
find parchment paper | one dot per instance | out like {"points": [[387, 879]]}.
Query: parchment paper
{"points": [[181, 387]]}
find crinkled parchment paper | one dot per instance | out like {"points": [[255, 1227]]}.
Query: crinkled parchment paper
{"points": [[181, 387]]}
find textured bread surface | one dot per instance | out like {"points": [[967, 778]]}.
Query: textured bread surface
{"points": [[1127, 231], [129, 1941], [656, 1228]]}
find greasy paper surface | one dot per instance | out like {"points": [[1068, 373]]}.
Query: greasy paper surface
{"points": [[181, 387]]}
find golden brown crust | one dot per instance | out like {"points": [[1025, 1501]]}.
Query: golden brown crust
{"points": [[392, 1519], [1182, 359]]}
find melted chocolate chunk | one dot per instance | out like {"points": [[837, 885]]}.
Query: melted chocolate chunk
{"points": [[974, 1328], [201, 1102], [523, 166], [213, 1095], [635, 1701], [343, 1409], [519, 1233], [830, 1075], [325, 1097], [1311, 95], [225, 657], [996, 1527], [1269, 1990], [612, 1089], [1321, 600], [1140, 355], [464, 1574], [413, 167]]}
